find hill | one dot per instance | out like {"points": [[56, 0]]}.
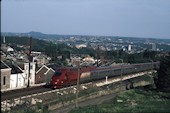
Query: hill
{"points": [[37, 45], [37, 35]]}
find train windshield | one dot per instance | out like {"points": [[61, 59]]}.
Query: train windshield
{"points": [[57, 73]]}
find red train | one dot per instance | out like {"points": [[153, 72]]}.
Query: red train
{"points": [[68, 76]]}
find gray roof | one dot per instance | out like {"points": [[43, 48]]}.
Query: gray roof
{"points": [[3, 65], [14, 68]]}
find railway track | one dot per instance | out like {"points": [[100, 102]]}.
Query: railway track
{"points": [[45, 95], [40, 89], [8, 95]]}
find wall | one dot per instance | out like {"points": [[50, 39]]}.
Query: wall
{"points": [[17, 80], [5, 73], [32, 72], [49, 75]]}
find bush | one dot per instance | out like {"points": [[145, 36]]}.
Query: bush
{"points": [[163, 79]]}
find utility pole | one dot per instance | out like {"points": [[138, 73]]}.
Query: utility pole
{"points": [[78, 82], [29, 59], [98, 55], [152, 64]]}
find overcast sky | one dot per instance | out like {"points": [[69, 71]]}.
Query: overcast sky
{"points": [[135, 18]]}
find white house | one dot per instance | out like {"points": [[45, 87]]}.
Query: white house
{"points": [[81, 46], [89, 59], [32, 72], [5, 71], [17, 78], [9, 49]]}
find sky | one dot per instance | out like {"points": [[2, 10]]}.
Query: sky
{"points": [[132, 18]]}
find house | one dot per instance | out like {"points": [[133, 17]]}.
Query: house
{"points": [[89, 59], [43, 75], [80, 46], [32, 72], [12, 77], [25, 68], [40, 58], [17, 77], [5, 76]]}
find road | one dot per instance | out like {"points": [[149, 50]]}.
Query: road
{"points": [[94, 101]]}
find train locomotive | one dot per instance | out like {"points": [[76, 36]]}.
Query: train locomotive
{"points": [[68, 76]]}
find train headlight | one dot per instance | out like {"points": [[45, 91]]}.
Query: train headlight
{"points": [[56, 82]]}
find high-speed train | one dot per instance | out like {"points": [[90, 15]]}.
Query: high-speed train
{"points": [[68, 76]]}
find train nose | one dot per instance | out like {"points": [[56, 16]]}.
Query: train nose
{"points": [[57, 81]]}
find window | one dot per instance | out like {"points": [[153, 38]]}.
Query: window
{"points": [[4, 83], [31, 67], [57, 73]]}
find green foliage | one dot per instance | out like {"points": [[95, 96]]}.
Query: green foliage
{"points": [[149, 54], [38, 108], [61, 49], [134, 101], [163, 80], [51, 50], [145, 56], [37, 45], [16, 40], [28, 110]]}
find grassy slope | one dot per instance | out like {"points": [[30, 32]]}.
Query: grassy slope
{"points": [[134, 101]]}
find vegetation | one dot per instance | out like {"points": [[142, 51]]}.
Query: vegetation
{"points": [[49, 48], [145, 56], [163, 79], [25, 109], [37, 44], [133, 101], [61, 49]]}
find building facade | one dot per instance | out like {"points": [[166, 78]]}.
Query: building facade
{"points": [[43, 75]]}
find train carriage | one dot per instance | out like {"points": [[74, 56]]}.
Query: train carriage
{"points": [[68, 76]]}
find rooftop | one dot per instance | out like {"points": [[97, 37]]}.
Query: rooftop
{"points": [[3, 65], [9, 64]]}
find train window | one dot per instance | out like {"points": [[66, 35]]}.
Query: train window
{"points": [[57, 73]]}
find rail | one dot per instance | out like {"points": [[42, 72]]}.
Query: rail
{"points": [[33, 99]]}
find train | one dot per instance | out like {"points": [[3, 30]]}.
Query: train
{"points": [[68, 76]]}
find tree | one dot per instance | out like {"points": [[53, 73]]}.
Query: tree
{"points": [[51, 50], [163, 80]]}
